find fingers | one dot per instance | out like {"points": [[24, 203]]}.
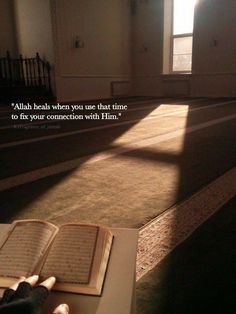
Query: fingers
{"points": [[48, 283], [25, 287], [32, 280], [40, 293], [9, 293], [62, 309], [16, 284]]}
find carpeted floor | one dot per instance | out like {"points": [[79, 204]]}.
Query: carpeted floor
{"points": [[130, 188], [198, 276]]}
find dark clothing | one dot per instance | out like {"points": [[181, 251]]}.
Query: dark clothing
{"points": [[25, 300]]}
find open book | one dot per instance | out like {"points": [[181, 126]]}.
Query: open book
{"points": [[76, 254]]}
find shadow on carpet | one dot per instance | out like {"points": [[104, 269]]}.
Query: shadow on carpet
{"points": [[197, 277]]}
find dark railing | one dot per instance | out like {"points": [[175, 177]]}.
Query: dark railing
{"points": [[28, 72]]}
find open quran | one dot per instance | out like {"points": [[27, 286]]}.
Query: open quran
{"points": [[76, 254]]}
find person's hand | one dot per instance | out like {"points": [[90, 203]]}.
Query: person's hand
{"points": [[24, 297]]}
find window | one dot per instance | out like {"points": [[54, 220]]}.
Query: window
{"points": [[182, 36]]}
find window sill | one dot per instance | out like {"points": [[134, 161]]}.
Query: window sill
{"points": [[176, 76]]}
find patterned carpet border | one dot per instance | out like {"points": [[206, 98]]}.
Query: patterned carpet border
{"points": [[161, 235]]}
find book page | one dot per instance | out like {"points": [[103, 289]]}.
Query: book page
{"points": [[71, 255], [24, 247]]}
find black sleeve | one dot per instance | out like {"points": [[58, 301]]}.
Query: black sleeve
{"points": [[25, 300]]}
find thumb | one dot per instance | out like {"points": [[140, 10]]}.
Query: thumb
{"points": [[61, 309]]}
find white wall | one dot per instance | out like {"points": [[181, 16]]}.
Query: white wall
{"points": [[7, 27], [214, 48], [214, 20], [104, 28], [147, 31], [148, 38], [34, 28]]}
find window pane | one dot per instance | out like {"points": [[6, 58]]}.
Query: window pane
{"points": [[183, 16], [183, 45], [182, 53], [182, 63]]}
